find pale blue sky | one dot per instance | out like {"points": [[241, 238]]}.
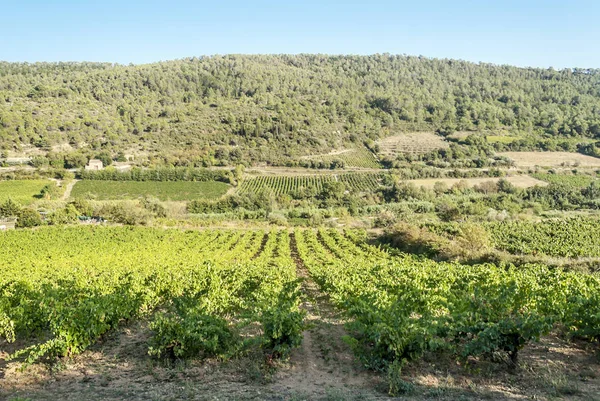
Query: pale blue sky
{"points": [[525, 33]]}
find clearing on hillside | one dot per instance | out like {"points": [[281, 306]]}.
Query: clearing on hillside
{"points": [[551, 159], [411, 142], [163, 190], [21, 191], [363, 158], [521, 181]]}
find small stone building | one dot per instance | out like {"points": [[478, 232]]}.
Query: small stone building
{"points": [[94, 164]]}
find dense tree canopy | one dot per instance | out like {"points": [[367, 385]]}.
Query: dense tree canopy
{"points": [[280, 106]]}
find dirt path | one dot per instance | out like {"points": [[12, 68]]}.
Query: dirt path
{"points": [[69, 189], [323, 363]]}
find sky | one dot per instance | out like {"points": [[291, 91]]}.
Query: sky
{"points": [[536, 33]]}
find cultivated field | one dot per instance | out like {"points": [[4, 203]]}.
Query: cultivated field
{"points": [[564, 238], [21, 191], [521, 181], [551, 159], [123, 309], [351, 157], [313, 183], [163, 190], [572, 180], [413, 142]]}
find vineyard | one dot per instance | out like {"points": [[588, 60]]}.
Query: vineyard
{"points": [[163, 190], [575, 237], [203, 290], [21, 191], [571, 180], [401, 307], [362, 158], [414, 143], [66, 288], [286, 185]]}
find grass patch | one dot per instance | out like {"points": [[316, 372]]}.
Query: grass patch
{"points": [[165, 191], [21, 191]]}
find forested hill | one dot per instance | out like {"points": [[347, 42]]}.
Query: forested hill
{"points": [[279, 105]]}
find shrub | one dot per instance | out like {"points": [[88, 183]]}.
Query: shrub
{"points": [[153, 205], [385, 219], [447, 211], [50, 191], [83, 206], [278, 219], [10, 208], [473, 238], [125, 213], [68, 215], [28, 218]]}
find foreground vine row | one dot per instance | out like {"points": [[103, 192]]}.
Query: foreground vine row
{"points": [[403, 306], [62, 289], [221, 293]]}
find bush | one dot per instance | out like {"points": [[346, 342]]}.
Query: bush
{"points": [[50, 191], [83, 206], [385, 219], [153, 205], [125, 213], [447, 211], [10, 208], [28, 218], [68, 215], [278, 219], [473, 239]]}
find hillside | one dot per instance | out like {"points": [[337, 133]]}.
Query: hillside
{"points": [[277, 107]]}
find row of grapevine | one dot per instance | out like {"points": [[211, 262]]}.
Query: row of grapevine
{"points": [[64, 288], [286, 185], [403, 306], [574, 237], [570, 180]]}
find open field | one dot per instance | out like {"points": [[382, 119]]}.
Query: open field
{"points": [[166, 191], [413, 142], [551, 159], [521, 181], [21, 191], [313, 183], [146, 314], [351, 158]]}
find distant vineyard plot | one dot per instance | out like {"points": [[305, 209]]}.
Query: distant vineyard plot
{"points": [[413, 142], [174, 191], [521, 181], [551, 159], [564, 238], [351, 158], [279, 185], [572, 180], [21, 191]]}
